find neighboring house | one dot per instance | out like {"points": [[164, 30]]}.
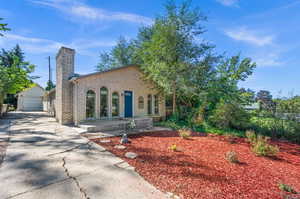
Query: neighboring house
{"points": [[31, 99], [253, 106], [116, 93]]}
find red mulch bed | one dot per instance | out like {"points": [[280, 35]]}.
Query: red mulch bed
{"points": [[199, 169]]}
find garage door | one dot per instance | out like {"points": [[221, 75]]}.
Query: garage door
{"points": [[32, 104]]}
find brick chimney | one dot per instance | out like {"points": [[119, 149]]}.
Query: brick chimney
{"points": [[64, 89]]}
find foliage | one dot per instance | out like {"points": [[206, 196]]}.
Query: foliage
{"points": [[276, 127], [15, 78], [247, 96], [287, 188], [172, 57], [229, 115], [264, 97], [7, 56], [50, 85], [173, 147], [232, 157], [120, 55], [261, 147], [3, 27], [251, 136], [185, 133]]}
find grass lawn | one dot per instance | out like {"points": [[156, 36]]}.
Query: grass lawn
{"points": [[198, 169]]}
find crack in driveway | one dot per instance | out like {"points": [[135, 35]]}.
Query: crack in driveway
{"points": [[82, 191]]}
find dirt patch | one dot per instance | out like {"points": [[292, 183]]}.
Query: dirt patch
{"points": [[198, 169]]}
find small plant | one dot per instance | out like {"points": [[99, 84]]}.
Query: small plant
{"points": [[173, 147], [251, 136], [184, 133], [286, 188], [232, 157], [261, 147]]}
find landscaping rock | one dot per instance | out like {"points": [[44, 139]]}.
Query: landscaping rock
{"points": [[121, 147], [130, 155], [105, 141], [124, 139]]}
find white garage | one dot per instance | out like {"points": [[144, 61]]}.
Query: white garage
{"points": [[31, 99]]}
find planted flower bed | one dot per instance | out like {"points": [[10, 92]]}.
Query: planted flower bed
{"points": [[198, 167]]}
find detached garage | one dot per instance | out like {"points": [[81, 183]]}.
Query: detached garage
{"points": [[31, 99]]}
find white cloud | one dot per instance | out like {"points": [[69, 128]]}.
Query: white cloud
{"points": [[250, 36], [268, 59], [228, 2], [38, 45], [77, 9]]}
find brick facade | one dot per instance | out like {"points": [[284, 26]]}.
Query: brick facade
{"points": [[71, 94]]}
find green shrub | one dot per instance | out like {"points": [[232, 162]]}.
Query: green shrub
{"points": [[261, 147], [277, 128], [229, 115], [287, 188], [232, 157], [251, 136], [173, 147], [184, 133]]}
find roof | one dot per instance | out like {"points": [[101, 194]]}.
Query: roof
{"points": [[77, 77], [253, 106], [33, 86]]}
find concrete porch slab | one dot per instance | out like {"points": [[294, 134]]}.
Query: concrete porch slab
{"points": [[119, 124]]}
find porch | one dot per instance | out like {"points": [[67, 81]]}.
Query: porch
{"points": [[118, 125]]}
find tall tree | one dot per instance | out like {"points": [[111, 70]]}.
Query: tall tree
{"points": [[3, 27], [265, 100], [7, 56], [15, 78], [173, 51], [120, 55], [50, 85]]}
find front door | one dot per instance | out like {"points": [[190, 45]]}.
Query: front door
{"points": [[128, 103]]}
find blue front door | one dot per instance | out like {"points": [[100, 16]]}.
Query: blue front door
{"points": [[128, 103]]}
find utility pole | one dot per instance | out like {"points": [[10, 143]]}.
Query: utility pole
{"points": [[50, 79]]}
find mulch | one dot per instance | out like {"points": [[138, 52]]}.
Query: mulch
{"points": [[199, 168]]}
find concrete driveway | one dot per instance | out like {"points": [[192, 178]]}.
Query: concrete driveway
{"points": [[46, 160]]}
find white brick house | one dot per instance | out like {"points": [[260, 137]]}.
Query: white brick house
{"points": [[116, 93]]}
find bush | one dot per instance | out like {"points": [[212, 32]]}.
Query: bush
{"points": [[287, 188], [277, 128], [232, 157], [261, 147], [251, 136], [229, 115], [173, 147], [184, 133]]}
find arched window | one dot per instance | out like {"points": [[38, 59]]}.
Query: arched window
{"points": [[90, 104], [103, 102], [156, 105], [149, 104], [141, 102], [115, 104]]}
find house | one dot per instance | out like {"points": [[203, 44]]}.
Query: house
{"points": [[113, 94], [31, 99], [252, 107]]}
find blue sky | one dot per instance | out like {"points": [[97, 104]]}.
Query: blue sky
{"points": [[265, 30]]}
